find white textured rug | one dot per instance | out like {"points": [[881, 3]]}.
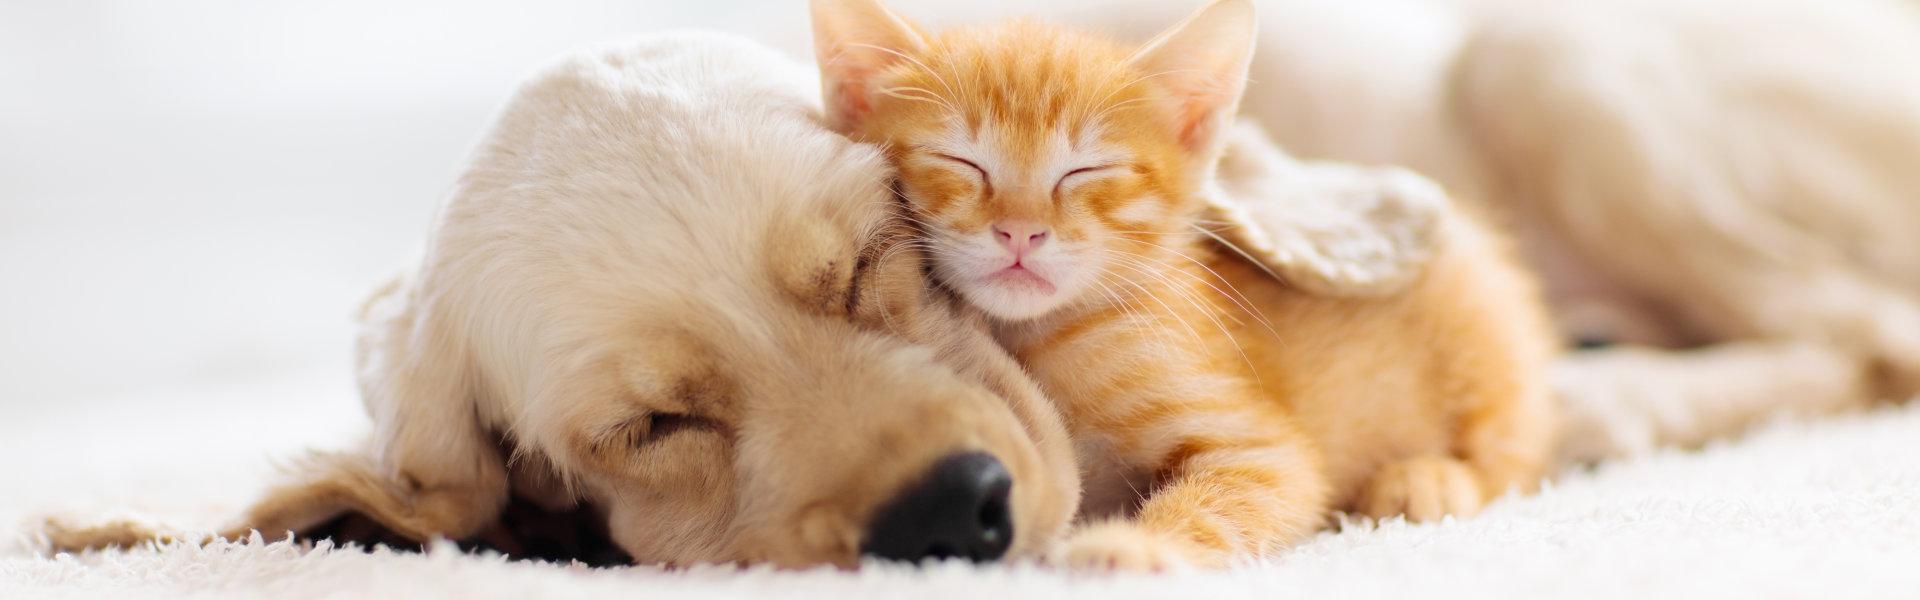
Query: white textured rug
{"points": [[1825, 509]]}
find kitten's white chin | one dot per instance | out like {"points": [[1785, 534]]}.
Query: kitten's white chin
{"points": [[1013, 294]]}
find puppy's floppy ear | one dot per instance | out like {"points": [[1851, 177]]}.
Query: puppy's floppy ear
{"points": [[1329, 228], [319, 487], [325, 485], [855, 41]]}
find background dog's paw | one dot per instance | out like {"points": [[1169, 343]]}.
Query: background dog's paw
{"points": [[1122, 547], [1896, 349], [1424, 489]]}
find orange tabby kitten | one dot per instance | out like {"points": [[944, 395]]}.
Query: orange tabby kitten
{"points": [[1056, 177]]}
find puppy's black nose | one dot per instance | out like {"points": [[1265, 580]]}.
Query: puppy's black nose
{"points": [[959, 510]]}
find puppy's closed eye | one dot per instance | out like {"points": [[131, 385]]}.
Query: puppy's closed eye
{"points": [[652, 429], [662, 425], [648, 430]]}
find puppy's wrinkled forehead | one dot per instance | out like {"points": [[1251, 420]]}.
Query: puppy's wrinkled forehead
{"points": [[790, 232]]}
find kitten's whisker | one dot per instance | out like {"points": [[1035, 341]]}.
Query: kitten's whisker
{"points": [[1243, 254], [930, 97], [1116, 106], [1199, 307], [1239, 301], [1197, 338], [1137, 310], [1162, 73], [1112, 299], [1122, 87], [916, 62], [1238, 298], [1168, 284], [1188, 295], [1111, 69], [1128, 307], [1159, 270]]}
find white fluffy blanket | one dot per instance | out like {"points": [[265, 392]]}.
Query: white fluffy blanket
{"points": [[1821, 509]]}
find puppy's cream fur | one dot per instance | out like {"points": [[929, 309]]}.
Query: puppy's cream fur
{"points": [[662, 288]]}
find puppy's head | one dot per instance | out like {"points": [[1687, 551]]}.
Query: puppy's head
{"points": [[799, 407], [684, 305], [758, 371]]}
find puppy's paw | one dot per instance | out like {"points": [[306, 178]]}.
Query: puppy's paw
{"points": [[70, 535], [1424, 489], [1122, 547]]}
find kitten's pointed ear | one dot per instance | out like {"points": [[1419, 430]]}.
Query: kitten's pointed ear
{"points": [[855, 40], [1202, 64]]}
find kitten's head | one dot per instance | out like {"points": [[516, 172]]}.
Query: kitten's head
{"points": [[1043, 164]]}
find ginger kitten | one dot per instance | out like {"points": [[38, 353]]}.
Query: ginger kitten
{"points": [[1056, 177]]}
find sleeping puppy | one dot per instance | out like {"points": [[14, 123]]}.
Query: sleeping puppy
{"points": [[664, 292]]}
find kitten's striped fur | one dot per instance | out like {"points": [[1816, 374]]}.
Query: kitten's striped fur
{"points": [[1056, 177]]}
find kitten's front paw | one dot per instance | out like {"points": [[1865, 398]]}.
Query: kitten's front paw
{"points": [[1424, 489], [1121, 547]]}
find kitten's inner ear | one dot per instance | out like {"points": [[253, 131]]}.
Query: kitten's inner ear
{"points": [[856, 40], [1202, 65]]}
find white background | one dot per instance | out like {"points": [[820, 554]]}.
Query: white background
{"points": [[195, 194]]}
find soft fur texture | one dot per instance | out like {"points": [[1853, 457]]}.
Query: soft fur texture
{"points": [[1724, 186], [662, 289], [1219, 412], [609, 313], [1431, 87], [1797, 511]]}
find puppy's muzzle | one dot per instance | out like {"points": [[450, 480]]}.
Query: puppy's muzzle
{"points": [[959, 510]]}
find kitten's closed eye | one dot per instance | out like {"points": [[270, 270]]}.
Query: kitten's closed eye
{"points": [[984, 181], [1082, 175]]}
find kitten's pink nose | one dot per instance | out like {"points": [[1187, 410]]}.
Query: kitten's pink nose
{"points": [[1020, 237]]}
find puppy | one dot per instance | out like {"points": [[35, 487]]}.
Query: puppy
{"points": [[662, 290]]}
